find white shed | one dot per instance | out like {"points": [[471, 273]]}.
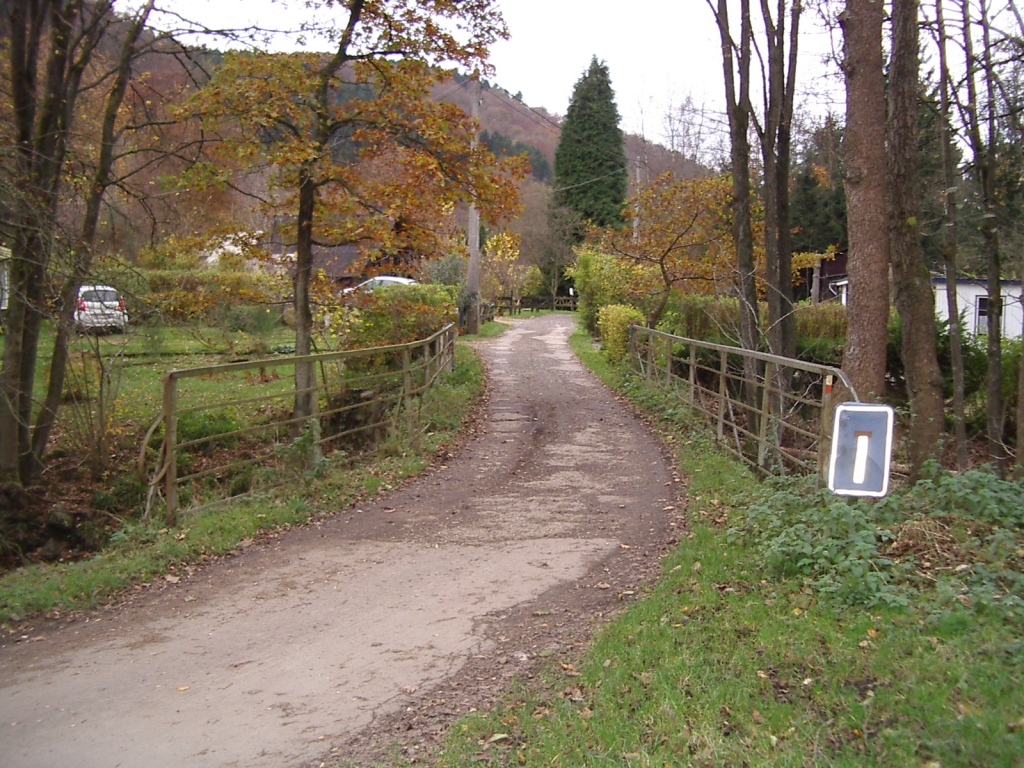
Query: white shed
{"points": [[972, 304]]}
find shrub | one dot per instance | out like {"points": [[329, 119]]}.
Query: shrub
{"points": [[598, 283], [251, 319], [706, 318], [947, 543], [826, 320], [126, 493], [195, 425], [613, 323], [188, 294], [399, 314]]}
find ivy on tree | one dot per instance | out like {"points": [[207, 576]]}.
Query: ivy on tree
{"points": [[590, 162]]}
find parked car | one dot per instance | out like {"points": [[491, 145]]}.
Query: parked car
{"points": [[100, 308], [379, 281]]}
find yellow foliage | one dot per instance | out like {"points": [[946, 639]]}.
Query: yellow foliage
{"points": [[503, 273], [613, 323]]}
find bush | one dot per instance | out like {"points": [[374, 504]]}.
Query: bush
{"points": [[826, 320], [705, 318], [251, 319], [613, 323], [948, 542], [203, 293], [125, 494], [195, 425], [598, 283], [399, 314]]}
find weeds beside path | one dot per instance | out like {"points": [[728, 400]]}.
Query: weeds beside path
{"points": [[790, 629]]}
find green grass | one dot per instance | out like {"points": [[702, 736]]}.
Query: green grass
{"points": [[726, 662], [141, 551], [487, 330], [149, 351]]}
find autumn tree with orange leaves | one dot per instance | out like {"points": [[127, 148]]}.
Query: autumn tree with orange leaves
{"points": [[355, 150], [680, 239]]}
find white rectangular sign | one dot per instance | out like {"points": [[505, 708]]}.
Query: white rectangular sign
{"points": [[861, 450]]}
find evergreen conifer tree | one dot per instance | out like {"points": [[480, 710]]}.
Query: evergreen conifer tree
{"points": [[590, 161]]}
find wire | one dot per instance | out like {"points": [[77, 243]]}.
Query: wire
{"points": [[450, 91], [533, 113], [591, 181]]}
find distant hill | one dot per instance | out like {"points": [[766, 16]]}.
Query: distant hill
{"points": [[509, 125]]}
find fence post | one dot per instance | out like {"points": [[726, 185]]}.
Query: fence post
{"points": [[723, 369], [668, 361], [693, 372], [427, 380], [632, 345], [649, 368], [762, 432], [410, 420], [825, 429], [170, 450]]}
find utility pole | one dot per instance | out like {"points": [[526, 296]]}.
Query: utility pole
{"points": [[636, 205], [473, 232]]}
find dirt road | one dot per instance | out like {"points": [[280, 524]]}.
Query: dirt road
{"points": [[372, 629]]}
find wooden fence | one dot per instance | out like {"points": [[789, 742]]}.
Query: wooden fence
{"points": [[509, 305], [774, 413], [212, 446]]}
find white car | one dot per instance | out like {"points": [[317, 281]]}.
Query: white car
{"points": [[100, 308], [380, 281]]}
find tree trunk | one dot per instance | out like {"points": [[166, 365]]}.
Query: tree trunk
{"points": [[775, 139], [82, 258], [994, 348], [983, 148], [62, 37], [304, 373], [473, 237], [867, 220], [738, 105], [912, 281], [949, 248]]}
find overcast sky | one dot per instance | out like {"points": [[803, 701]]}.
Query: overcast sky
{"points": [[657, 52]]}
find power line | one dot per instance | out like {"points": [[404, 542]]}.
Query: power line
{"points": [[450, 91], [591, 181], [533, 113]]}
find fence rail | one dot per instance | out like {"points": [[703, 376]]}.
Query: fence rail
{"points": [[509, 305], [774, 413], [212, 445]]}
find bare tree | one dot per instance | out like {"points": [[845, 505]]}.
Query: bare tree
{"points": [[980, 120], [102, 177], [63, 36], [685, 128], [736, 57], [774, 132], [948, 244], [911, 279]]}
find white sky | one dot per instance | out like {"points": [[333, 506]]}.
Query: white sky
{"points": [[657, 51]]}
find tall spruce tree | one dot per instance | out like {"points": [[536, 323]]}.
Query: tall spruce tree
{"points": [[590, 161]]}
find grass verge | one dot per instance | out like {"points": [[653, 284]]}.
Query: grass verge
{"points": [[143, 550], [790, 628], [487, 330]]}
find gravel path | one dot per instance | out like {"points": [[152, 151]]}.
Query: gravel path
{"points": [[368, 632]]}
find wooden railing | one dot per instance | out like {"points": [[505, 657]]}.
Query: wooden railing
{"points": [[774, 413], [508, 305], [358, 397]]}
